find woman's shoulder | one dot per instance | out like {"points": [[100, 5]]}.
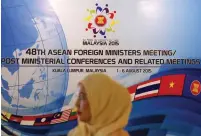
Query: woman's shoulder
{"points": [[120, 133], [71, 132], [78, 130]]}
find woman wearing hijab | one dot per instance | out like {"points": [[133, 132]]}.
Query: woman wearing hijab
{"points": [[103, 107]]}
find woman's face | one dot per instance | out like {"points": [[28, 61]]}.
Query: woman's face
{"points": [[82, 104]]}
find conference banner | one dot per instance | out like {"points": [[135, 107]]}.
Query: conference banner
{"points": [[151, 47]]}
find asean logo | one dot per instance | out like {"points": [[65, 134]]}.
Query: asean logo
{"points": [[195, 87], [101, 20]]}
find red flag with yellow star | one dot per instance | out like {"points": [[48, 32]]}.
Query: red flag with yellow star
{"points": [[172, 85]]}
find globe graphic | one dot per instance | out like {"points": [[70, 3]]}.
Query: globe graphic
{"points": [[31, 89]]}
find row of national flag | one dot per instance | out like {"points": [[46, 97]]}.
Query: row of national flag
{"points": [[40, 120], [170, 85]]}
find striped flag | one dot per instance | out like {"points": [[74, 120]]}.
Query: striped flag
{"points": [[16, 118], [73, 114], [147, 89], [5, 116], [132, 90], [61, 117], [28, 120], [43, 120]]}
